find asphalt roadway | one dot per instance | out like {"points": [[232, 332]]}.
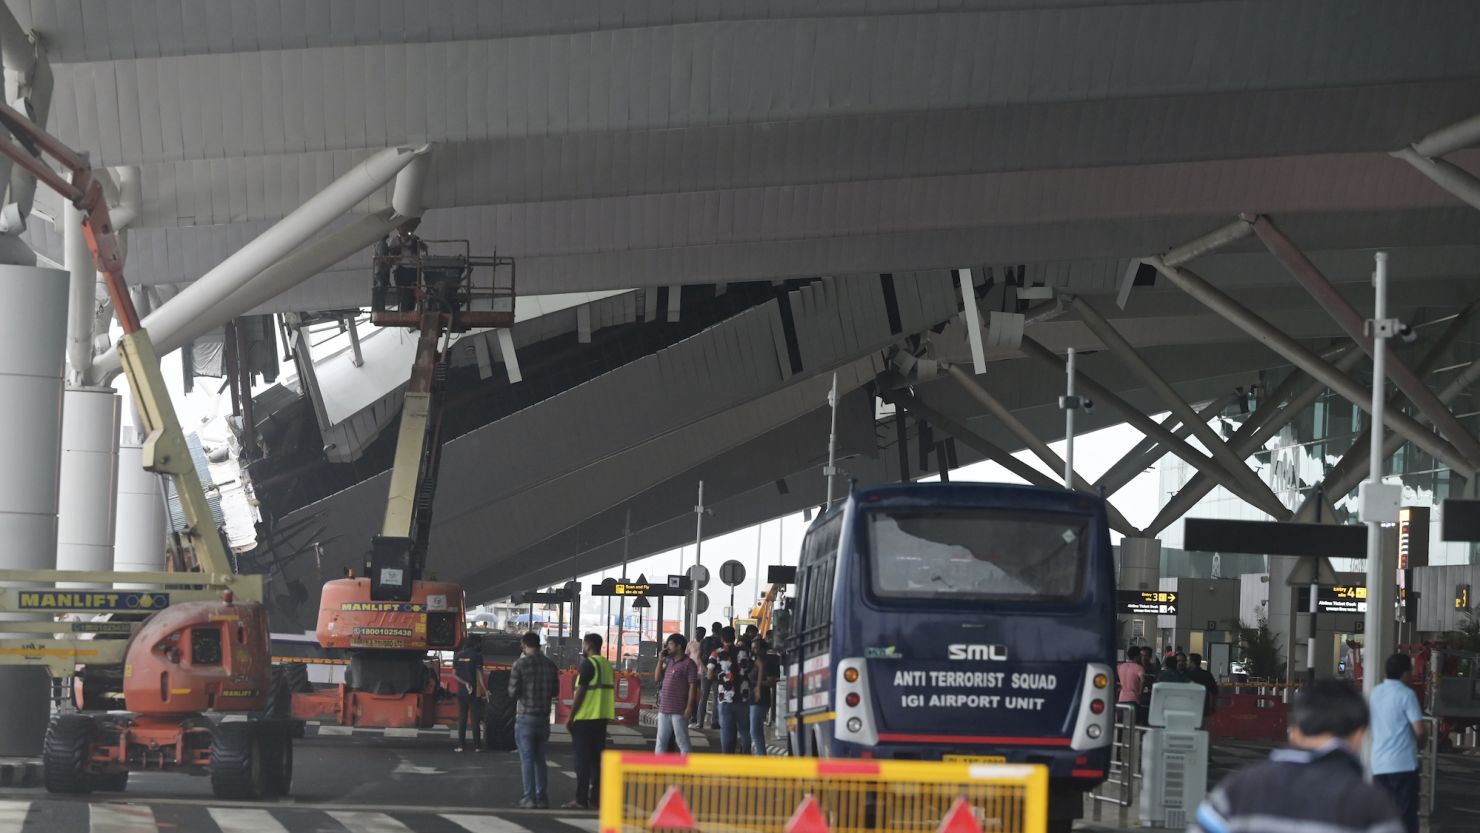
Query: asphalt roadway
{"points": [[412, 782]]}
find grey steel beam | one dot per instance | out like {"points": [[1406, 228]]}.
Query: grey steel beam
{"points": [[1148, 451], [1445, 174], [1210, 242], [1232, 463], [1150, 427], [1349, 469], [1251, 436], [1025, 434], [990, 450], [1305, 359], [1347, 317]]}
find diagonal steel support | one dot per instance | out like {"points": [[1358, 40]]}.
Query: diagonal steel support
{"points": [[1253, 434], [1303, 358], [992, 451], [1122, 349], [1152, 428], [1348, 471], [1347, 317], [1148, 451], [1024, 434]]}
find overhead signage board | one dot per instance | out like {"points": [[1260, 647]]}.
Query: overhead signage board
{"points": [[1413, 537], [1461, 521], [1339, 599], [1274, 538], [779, 574], [1147, 602], [634, 589]]}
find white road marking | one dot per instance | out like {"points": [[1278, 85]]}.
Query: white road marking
{"points": [[567, 773], [238, 820], [121, 818], [369, 822], [336, 731], [401, 733], [484, 824], [13, 815], [586, 823]]}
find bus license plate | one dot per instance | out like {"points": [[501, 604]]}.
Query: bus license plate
{"points": [[975, 759]]}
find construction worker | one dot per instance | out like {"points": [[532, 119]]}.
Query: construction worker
{"points": [[467, 667], [593, 707]]}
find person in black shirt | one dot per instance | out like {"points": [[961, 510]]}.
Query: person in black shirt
{"points": [[765, 668], [1197, 674], [1169, 672], [727, 668], [709, 692], [467, 667]]}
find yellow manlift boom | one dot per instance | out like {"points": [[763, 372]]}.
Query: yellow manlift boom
{"points": [[204, 646]]}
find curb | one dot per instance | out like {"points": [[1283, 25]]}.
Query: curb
{"points": [[23, 774]]}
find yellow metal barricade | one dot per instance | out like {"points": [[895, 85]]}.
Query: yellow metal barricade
{"points": [[752, 794]]}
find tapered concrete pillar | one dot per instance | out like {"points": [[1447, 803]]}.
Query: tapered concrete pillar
{"points": [[1140, 564], [89, 479], [32, 343]]}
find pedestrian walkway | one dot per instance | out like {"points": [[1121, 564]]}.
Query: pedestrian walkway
{"points": [[59, 816]]}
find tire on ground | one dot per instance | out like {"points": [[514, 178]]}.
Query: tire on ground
{"points": [[498, 715], [238, 762], [277, 758], [65, 754]]}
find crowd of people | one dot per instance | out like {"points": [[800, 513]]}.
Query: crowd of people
{"points": [[724, 677], [1140, 670], [721, 679]]}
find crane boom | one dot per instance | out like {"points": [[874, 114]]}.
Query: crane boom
{"points": [[165, 451]]}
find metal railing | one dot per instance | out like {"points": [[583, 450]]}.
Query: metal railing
{"points": [[1122, 787], [1428, 771]]}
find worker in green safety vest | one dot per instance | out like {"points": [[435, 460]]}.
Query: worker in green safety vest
{"points": [[592, 708]]}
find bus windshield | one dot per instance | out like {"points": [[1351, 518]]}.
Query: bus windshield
{"points": [[974, 553]]}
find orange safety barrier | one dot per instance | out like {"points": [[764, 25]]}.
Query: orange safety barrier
{"points": [[1250, 717], [711, 793], [628, 693]]}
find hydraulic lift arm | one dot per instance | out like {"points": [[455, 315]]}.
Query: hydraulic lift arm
{"points": [[408, 511], [165, 451]]}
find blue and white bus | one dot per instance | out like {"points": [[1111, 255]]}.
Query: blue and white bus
{"points": [[960, 621]]}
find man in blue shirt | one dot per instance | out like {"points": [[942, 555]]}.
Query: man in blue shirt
{"points": [[1397, 726]]}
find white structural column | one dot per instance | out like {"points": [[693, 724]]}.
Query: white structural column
{"points": [[199, 304], [138, 538], [32, 344], [89, 475]]}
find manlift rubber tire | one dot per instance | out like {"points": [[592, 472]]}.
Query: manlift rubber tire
{"points": [[498, 720], [65, 753], [277, 752], [238, 762]]}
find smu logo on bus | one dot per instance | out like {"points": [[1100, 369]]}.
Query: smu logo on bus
{"points": [[993, 653]]}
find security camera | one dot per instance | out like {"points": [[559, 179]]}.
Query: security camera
{"points": [[1407, 333], [1089, 406]]}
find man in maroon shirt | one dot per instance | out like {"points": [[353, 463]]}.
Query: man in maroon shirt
{"points": [[678, 677]]}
